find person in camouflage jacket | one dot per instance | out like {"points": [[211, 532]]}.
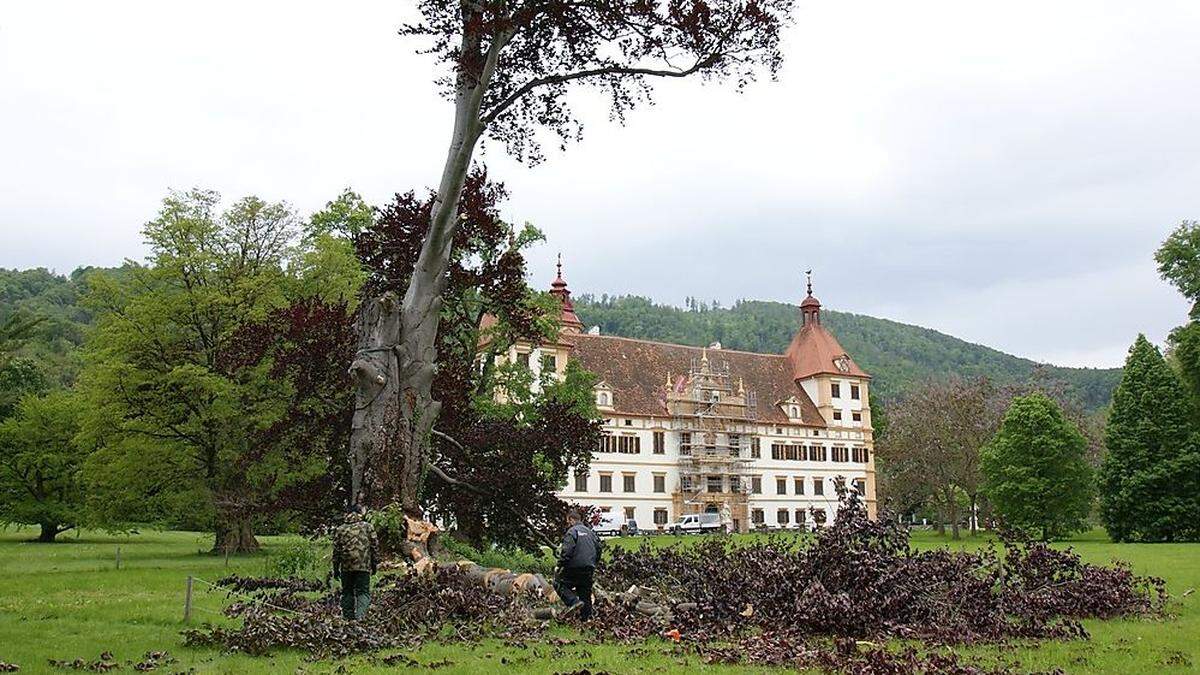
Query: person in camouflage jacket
{"points": [[355, 559]]}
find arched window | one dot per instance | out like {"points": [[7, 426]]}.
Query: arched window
{"points": [[602, 398]]}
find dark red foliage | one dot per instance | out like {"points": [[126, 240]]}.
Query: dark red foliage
{"points": [[859, 578], [830, 603], [308, 345], [485, 276]]}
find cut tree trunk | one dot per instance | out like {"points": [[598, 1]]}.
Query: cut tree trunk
{"points": [[376, 374]]}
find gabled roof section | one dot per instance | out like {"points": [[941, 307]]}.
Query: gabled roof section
{"points": [[637, 371]]}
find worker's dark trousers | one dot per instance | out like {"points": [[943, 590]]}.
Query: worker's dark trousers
{"points": [[356, 594], [574, 584]]}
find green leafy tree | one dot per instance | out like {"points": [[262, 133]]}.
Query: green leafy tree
{"points": [[180, 408], [1150, 478], [1179, 262], [40, 465], [1035, 469]]}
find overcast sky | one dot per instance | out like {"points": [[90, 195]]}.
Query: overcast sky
{"points": [[998, 171]]}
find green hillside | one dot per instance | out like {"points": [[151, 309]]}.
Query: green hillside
{"points": [[896, 354]]}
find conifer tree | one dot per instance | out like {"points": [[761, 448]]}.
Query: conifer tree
{"points": [[1150, 478], [1035, 469]]}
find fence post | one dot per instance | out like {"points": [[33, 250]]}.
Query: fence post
{"points": [[118, 557], [187, 601]]}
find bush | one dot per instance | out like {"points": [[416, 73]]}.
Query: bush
{"points": [[297, 559]]}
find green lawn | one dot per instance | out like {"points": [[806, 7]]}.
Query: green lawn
{"points": [[68, 600]]}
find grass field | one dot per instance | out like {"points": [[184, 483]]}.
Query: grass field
{"points": [[68, 600]]}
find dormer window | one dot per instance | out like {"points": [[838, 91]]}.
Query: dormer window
{"points": [[794, 411], [602, 398]]}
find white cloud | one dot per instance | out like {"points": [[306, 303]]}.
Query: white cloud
{"points": [[945, 163]]}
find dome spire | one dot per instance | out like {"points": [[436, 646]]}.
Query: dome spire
{"points": [[810, 308], [569, 320]]}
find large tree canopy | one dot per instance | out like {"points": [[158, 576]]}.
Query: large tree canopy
{"points": [[1150, 478], [1037, 475], [41, 465], [185, 394]]}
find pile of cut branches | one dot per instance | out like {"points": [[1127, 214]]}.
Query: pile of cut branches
{"points": [[828, 601]]}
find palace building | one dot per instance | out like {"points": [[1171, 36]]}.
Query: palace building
{"points": [[758, 438]]}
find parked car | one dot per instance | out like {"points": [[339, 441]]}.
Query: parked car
{"points": [[631, 528], [698, 523]]}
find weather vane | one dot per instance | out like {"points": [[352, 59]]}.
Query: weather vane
{"points": [[808, 276]]}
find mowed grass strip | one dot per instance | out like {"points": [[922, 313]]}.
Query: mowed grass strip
{"points": [[68, 600]]}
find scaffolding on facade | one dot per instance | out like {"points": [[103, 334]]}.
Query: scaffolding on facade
{"points": [[715, 421]]}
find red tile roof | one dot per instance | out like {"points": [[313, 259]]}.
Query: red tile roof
{"points": [[637, 372], [814, 351]]}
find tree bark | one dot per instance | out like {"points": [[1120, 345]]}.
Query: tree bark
{"points": [[49, 531], [375, 374], [235, 535]]}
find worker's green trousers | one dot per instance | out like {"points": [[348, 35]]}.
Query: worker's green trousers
{"points": [[356, 594]]}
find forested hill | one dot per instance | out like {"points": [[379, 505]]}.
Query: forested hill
{"points": [[896, 354]]}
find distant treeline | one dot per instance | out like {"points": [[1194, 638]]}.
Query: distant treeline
{"points": [[897, 355]]}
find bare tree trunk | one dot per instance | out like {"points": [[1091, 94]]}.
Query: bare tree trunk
{"points": [[954, 529], [375, 373], [48, 532], [234, 534]]}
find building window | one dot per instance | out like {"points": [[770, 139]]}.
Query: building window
{"points": [[755, 448], [856, 416], [629, 444], [841, 453], [781, 516], [735, 484], [608, 443], [818, 486], [816, 453], [799, 516], [660, 483], [756, 485], [779, 451], [628, 481], [660, 445], [581, 481], [629, 513], [837, 415], [781, 486], [602, 398], [549, 363], [835, 390], [860, 486], [859, 455], [714, 484], [628, 423], [685, 443], [606, 482], [660, 516], [757, 517], [735, 445], [854, 392], [799, 485], [793, 411]]}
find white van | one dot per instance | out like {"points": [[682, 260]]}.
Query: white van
{"points": [[697, 523], [611, 524]]}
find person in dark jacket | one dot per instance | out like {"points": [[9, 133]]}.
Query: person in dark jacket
{"points": [[577, 560]]}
